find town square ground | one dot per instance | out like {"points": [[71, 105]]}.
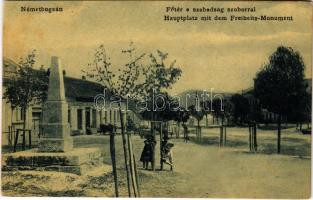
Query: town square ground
{"points": [[201, 170]]}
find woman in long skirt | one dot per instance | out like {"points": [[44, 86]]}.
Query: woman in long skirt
{"points": [[146, 155]]}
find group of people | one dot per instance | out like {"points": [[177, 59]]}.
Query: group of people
{"points": [[166, 149], [149, 147]]}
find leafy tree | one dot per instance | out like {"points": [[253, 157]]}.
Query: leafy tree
{"points": [[221, 109], [198, 114], [303, 113], [280, 85], [181, 116], [27, 86], [241, 107], [158, 76], [122, 84], [131, 126], [168, 109], [162, 108], [206, 105]]}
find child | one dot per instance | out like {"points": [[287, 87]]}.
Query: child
{"points": [[146, 155], [167, 153], [186, 138]]}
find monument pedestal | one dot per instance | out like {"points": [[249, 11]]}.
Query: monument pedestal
{"points": [[55, 145], [55, 124], [55, 150], [77, 161]]}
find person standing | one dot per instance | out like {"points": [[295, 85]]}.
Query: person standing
{"points": [[186, 137], [146, 155], [167, 153]]}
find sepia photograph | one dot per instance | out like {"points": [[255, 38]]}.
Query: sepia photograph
{"points": [[156, 99]]}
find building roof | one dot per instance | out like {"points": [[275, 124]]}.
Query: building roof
{"points": [[9, 67], [75, 89], [81, 90]]}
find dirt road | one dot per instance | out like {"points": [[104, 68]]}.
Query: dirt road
{"points": [[201, 170]]}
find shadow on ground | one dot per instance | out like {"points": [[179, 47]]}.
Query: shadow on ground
{"points": [[292, 143]]}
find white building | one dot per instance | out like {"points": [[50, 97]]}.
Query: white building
{"points": [[82, 114]]}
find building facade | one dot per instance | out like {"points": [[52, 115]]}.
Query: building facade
{"points": [[83, 116]]}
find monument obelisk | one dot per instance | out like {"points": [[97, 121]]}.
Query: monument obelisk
{"points": [[56, 129], [55, 149]]}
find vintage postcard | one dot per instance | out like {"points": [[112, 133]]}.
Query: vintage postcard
{"points": [[179, 99]]}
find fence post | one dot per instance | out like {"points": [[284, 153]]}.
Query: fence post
{"points": [[255, 138], [112, 152], [16, 140], [9, 136], [24, 139], [250, 130], [30, 138], [221, 135], [225, 136], [161, 161]]}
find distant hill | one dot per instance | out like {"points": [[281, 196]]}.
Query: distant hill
{"points": [[188, 97]]}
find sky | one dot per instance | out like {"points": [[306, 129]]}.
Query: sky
{"points": [[220, 55]]}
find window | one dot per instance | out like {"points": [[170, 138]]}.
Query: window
{"points": [[79, 119], [94, 118], [19, 114], [106, 117], [69, 116], [117, 116], [100, 114], [22, 114]]}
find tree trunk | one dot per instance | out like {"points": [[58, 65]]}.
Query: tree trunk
{"points": [[250, 137], [199, 131], [132, 165], [153, 149], [221, 135], [24, 127], [224, 132], [130, 153], [136, 175], [255, 137], [40, 129], [112, 152], [125, 152], [278, 134], [161, 162], [11, 131]]}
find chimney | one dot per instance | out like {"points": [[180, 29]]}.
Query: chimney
{"points": [[84, 77], [64, 72]]}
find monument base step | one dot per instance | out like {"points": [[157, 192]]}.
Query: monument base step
{"points": [[78, 161]]}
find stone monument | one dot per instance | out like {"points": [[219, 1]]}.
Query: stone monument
{"points": [[55, 125], [55, 150]]}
